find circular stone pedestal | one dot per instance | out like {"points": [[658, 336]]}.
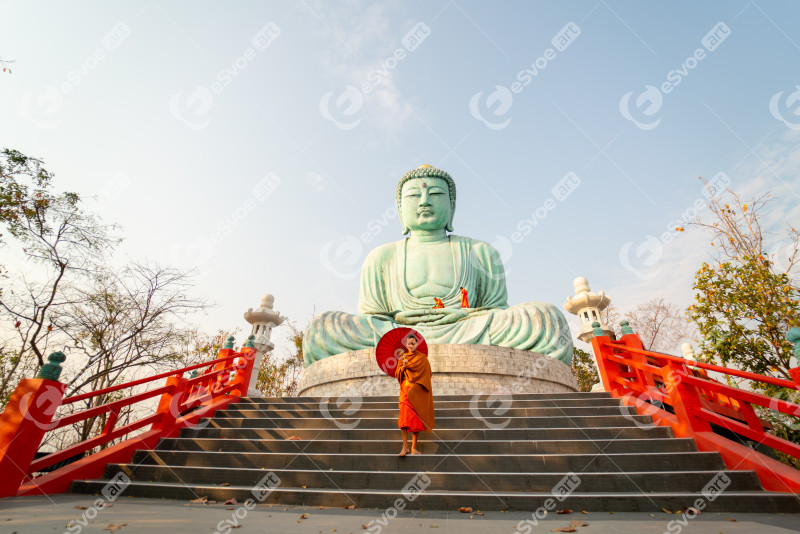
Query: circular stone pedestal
{"points": [[457, 370]]}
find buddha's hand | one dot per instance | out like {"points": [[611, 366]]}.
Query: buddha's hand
{"points": [[447, 316], [431, 317]]}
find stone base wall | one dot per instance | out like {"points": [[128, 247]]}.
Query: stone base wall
{"points": [[457, 370]]}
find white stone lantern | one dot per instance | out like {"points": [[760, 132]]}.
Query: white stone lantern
{"points": [[263, 319], [588, 307]]}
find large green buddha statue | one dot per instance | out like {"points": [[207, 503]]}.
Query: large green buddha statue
{"points": [[400, 282]]}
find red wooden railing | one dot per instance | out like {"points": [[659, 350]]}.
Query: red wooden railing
{"points": [[643, 379], [28, 416]]}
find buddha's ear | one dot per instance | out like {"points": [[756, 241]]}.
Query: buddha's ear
{"points": [[449, 226], [402, 223]]}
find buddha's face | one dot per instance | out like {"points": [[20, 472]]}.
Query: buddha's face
{"points": [[425, 204]]}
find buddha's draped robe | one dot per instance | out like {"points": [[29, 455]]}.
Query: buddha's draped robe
{"points": [[535, 326], [416, 393]]}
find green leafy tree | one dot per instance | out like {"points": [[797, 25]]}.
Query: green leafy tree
{"points": [[584, 369], [745, 303], [278, 377], [743, 311]]}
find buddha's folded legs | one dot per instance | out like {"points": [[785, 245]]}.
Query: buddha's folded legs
{"points": [[336, 332], [535, 326]]}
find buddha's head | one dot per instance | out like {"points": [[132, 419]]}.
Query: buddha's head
{"points": [[426, 200]]}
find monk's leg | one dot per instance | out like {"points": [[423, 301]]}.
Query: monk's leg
{"points": [[414, 443], [404, 433]]}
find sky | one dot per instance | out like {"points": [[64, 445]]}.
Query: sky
{"points": [[260, 143]]}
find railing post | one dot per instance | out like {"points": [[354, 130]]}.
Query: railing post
{"points": [[245, 366], [26, 418], [631, 339], [600, 346], [169, 406], [685, 401]]}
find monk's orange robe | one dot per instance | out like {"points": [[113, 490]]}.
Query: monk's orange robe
{"points": [[416, 394], [437, 303], [464, 298]]}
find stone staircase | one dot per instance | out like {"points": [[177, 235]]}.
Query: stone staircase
{"points": [[586, 448]]}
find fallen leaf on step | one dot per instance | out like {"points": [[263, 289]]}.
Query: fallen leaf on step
{"points": [[323, 507], [225, 484], [105, 505], [564, 511], [293, 438], [351, 507], [465, 510], [363, 526], [693, 510], [81, 507], [200, 500], [478, 513], [112, 526], [665, 511], [564, 529], [731, 519], [577, 523], [304, 516], [231, 501], [584, 512], [304, 487]]}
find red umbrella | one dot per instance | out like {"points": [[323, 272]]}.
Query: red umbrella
{"points": [[393, 345]]}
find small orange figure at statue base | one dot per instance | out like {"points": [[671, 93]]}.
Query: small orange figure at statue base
{"points": [[437, 303], [464, 298]]}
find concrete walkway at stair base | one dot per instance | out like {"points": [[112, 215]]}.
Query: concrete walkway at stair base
{"points": [[457, 370], [40, 515]]}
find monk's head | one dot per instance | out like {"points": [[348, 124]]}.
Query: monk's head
{"points": [[426, 200], [411, 342]]}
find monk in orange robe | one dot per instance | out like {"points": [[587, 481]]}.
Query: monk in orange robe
{"points": [[464, 298], [413, 371], [437, 303]]}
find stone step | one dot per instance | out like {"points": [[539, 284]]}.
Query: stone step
{"points": [[363, 432], [367, 402], [549, 397], [439, 480], [479, 411], [519, 463], [577, 446], [442, 423], [728, 501]]}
